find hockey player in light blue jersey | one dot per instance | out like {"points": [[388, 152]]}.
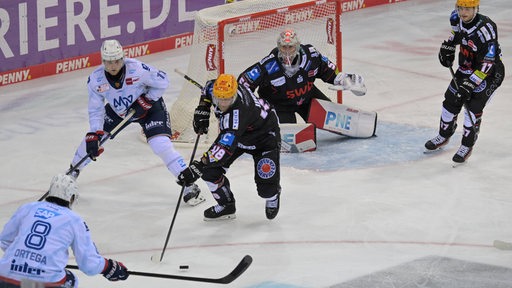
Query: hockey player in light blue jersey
{"points": [[117, 86], [37, 238]]}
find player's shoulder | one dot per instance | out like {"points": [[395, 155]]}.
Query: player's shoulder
{"points": [[486, 20]]}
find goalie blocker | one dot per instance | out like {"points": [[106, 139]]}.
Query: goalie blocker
{"points": [[342, 119]]}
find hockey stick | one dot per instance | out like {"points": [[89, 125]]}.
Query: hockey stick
{"points": [[239, 269], [110, 135], [502, 245], [158, 258], [189, 79]]}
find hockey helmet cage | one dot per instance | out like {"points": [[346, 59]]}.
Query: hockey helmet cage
{"points": [[288, 38], [111, 50], [468, 3], [225, 86], [63, 187]]}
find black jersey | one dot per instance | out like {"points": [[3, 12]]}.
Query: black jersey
{"points": [[479, 49], [249, 124], [269, 77]]}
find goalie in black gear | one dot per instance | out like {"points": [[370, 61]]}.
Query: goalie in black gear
{"points": [[247, 124], [286, 77], [480, 73]]}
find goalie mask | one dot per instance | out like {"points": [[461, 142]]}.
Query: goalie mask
{"points": [[288, 44], [224, 91], [64, 187]]}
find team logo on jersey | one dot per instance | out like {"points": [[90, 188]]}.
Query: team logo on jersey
{"points": [[45, 213], [266, 168], [102, 88], [254, 74], [130, 81], [300, 79], [227, 139], [272, 67], [491, 51]]}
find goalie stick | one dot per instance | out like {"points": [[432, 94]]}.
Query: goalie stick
{"points": [[110, 135], [239, 269]]}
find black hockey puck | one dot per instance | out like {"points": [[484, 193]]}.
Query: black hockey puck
{"points": [[183, 267]]}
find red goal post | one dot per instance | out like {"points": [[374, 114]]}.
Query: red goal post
{"points": [[229, 38]]}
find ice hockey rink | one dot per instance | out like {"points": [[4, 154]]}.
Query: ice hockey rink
{"points": [[356, 213]]}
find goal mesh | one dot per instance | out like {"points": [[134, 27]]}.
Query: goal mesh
{"points": [[229, 38]]}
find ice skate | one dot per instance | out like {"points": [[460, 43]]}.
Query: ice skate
{"points": [[220, 212], [436, 142], [192, 195], [462, 154], [272, 206]]}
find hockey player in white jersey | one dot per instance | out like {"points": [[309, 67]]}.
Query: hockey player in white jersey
{"points": [[37, 238], [116, 87]]}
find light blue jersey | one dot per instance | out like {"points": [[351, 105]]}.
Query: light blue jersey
{"points": [[36, 242]]}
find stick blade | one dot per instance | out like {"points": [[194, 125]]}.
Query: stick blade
{"points": [[502, 245], [239, 270]]}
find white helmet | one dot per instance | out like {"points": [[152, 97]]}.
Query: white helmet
{"points": [[63, 187], [111, 50]]}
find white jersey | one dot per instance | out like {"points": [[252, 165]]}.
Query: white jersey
{"points": [[36, 242], [140, 78]]}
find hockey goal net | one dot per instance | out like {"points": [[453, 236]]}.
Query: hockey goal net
{"points": [[229, 38]]}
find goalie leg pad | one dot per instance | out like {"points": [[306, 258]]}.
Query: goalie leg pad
{"points": [[297, 138], [342, 119]]}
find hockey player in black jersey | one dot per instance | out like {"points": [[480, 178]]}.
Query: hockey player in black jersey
{"points": [[247, 124], [286, 77], [480, 73]]}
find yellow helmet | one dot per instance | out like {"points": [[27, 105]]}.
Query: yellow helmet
{"points": [[225, 86], [468, 3]]}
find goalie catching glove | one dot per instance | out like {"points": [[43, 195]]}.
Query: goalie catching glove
{"points": [[352, 82], [114, 271], [193, 172], [92, 144], [201, 119]]}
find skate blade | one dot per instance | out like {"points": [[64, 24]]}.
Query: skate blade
{"points": [[223, 217], [195, 201]]}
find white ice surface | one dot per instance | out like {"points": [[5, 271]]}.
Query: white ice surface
{"points": [[349, 209]]}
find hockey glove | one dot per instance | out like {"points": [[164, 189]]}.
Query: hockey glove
{"points": [[115, 271], [465, 90], [340, 79], [141, 106], [92, 144], [201, 119], [191, 173], [447, 54]]}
